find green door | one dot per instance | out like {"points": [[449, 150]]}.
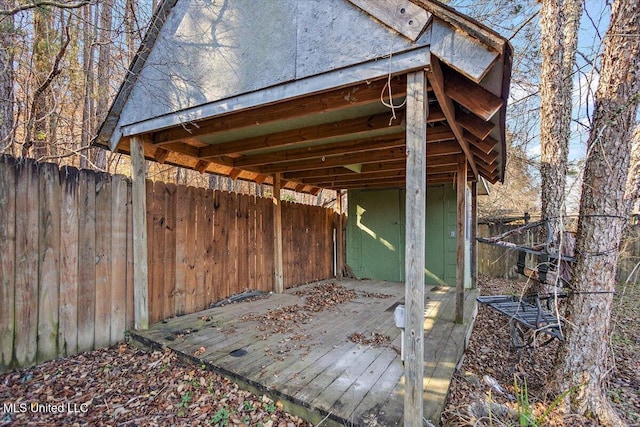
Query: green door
{"points": [[375, 243], [435, 230]]}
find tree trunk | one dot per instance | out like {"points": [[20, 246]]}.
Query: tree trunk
{"points": [[37, 133], [632, 193], [583, 358], [6, 79], [559, 20], [103, 72], [554, 135], [87, 68]]}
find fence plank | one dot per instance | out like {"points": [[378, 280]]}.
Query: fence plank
{"points": [[119, 194], [48, 269], [86, 259], [232, 230], [260, 278], [267, 245], [170, 252], [26, 269], [131, 310], [201, 241], [102, 328], [68, 303], [7, 258], [155, 223], [207, 248], [190, 282], [219, 250], [251, 243], [242, 222], [182, 200]]}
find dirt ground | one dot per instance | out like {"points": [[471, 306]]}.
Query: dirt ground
{"points": [[491, 369]]}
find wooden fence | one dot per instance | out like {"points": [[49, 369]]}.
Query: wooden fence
{"points": [[500, 262], [66, 255]]}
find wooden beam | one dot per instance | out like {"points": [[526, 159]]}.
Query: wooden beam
{"points": [[140, 255], [235, 173], [461, 186], [340, 170], [352, 96], [161, 155], [485, 145], [358, 127], [202, 165], [440, 133], [437, 82], [471, 96], [449, 178], [415, 247], [405, 17], [445, 148], [487, 158], [488, 171], [182, 148], [347, 159], [355, 177], [435, 114], [345, 147], [278, 284], [352, 183], [369, 185], [473, 233], [339, 237], [474, 124]]}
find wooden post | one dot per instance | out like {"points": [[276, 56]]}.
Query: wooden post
{"points": [[339, 237], [416, 137], [278, 283], [140, 256], [461, 186], [474, 232]]}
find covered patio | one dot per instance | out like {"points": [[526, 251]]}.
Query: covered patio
{"points": [[328, 351], [339, 95]]}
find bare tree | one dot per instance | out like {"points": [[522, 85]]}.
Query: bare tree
{"points": [[559, 21], [582, 361], [6, 77]]}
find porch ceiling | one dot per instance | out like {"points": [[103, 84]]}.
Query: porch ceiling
{"points": [[341, 139]]}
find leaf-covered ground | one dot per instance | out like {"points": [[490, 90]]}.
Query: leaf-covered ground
{"points": [[123, 386], [492, 372]]}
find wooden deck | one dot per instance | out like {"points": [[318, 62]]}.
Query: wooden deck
{"points": [[305, 359]]}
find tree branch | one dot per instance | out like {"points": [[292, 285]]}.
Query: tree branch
{"points": [[44, 3]]}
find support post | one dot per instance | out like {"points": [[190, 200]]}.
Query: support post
{"points": [[278, 284], [140, 256], [339, 237], [461, 186], [416, 137], [474, 232]]}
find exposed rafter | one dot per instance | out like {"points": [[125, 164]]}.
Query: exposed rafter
{"points": [[353, 96], [361, 126], [436, 77]]}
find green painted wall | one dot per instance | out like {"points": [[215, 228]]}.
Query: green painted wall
{"points": [[376, 234]]}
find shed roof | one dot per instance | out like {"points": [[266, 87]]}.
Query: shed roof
{"points": [[247, 89]]}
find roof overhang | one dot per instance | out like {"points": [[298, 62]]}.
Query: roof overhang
{"points": [[332, 129]]}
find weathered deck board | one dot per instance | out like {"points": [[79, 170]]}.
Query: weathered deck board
{"points": [[320, 371]]}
